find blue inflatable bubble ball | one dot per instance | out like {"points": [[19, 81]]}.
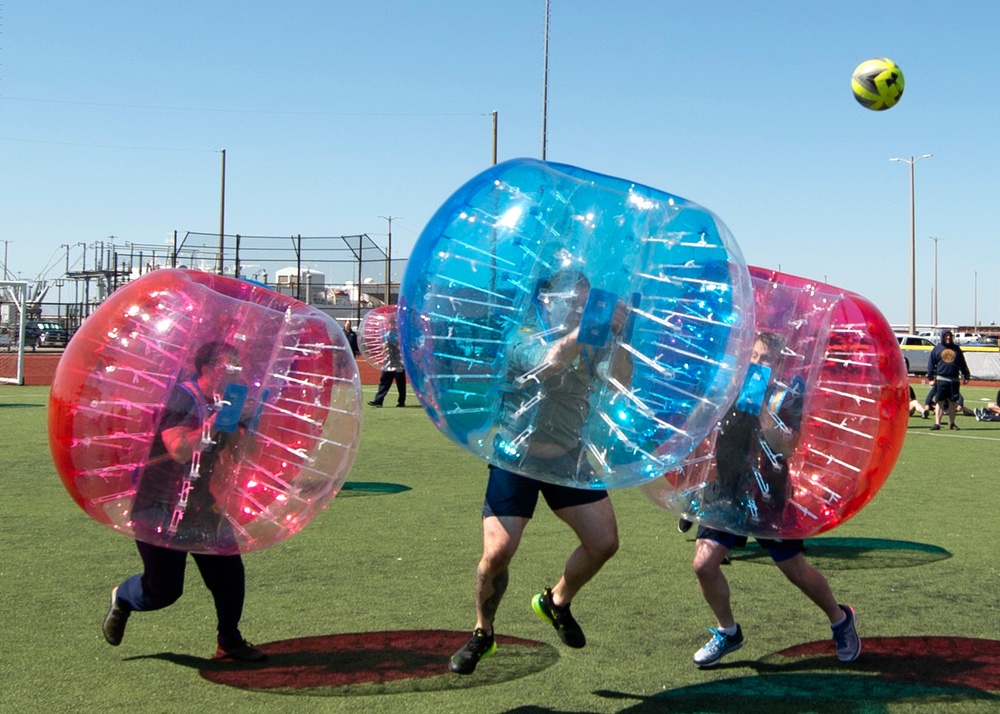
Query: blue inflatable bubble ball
{"points": [[577, 328]]}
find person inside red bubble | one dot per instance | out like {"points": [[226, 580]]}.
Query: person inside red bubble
{"points": [[766, 419], [174, 497]]}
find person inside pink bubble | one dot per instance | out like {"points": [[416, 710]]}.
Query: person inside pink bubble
{"points": [[174, 496]]}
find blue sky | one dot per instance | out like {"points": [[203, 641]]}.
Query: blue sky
{"points": [[334, 114]]}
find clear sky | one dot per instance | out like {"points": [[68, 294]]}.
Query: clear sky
{"points": [[335, 114]]}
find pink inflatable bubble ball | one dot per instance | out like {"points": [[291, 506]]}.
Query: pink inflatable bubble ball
{"points": [[378, 339], [270, 382], [817, 426]]}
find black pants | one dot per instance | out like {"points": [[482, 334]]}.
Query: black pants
{"points": [[162, 583], [385, 382]]}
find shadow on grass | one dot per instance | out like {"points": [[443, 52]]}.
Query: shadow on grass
{"points": [[364, 663], [19, 405], [855, 553], [890, 671], [370, 488]]}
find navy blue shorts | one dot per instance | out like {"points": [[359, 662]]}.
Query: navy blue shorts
{"points": [[780, 550], [511, 494]]}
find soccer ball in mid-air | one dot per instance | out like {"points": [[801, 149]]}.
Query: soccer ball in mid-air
{"points": [[877, 84]]}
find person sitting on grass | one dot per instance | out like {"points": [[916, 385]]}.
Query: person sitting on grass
{"points": [[991, 412], [916, 407]]}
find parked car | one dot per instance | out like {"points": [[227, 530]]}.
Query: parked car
{"points": [[916, 352], [42, 333], [983, 341], [965, 338]]}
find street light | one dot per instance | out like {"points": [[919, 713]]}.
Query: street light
{"points": [[934, 312], [913, 245]]}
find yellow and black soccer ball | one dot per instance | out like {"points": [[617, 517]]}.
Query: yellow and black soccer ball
{"points": [[877, 84]]}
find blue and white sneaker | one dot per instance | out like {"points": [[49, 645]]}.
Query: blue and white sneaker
{"points": [[718, 647], [845, 635]]}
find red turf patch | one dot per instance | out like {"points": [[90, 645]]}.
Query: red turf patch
{"points": [[330, 661], [955, 661]]}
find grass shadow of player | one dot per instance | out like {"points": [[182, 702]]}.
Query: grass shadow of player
{"points": [[371, 488], [855, 553]]}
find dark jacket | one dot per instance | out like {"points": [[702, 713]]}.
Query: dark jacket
{"points": [[947, 361]]}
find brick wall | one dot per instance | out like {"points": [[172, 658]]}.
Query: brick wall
{"points": [[40, 369]]}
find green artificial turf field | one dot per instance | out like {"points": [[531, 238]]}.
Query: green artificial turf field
{"points": [[362, 609]]}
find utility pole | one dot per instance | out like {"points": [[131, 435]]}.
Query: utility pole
{"points": [[934, 316], [494, 137], [222, 216], [545, 80], [388, 263]]}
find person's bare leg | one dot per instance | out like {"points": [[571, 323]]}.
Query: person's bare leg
{"points": [[814, 584], [708, 557], [501, 537], [597, 529]]}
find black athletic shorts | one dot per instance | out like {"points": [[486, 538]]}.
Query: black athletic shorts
{"points": [[511, 494], [779, 549], [946, 390]]}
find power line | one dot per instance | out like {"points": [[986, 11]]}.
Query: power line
{"points": [[229, 110]]}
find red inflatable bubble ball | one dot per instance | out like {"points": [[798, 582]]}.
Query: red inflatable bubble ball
{"points": [[818, 424], [205, 413]]}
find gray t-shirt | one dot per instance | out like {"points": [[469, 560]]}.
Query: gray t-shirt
{"points": [[555, 407]]}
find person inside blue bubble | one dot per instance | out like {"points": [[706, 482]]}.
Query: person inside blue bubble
{"points": [[753, 444], [551, 369]]}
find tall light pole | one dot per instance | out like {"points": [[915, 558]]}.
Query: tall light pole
{"points": [[913, 244], [934, 312]]}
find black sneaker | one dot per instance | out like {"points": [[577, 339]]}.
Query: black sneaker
{"points": [[375, 404], [478, 648], [242, 652], [935, 427], [560, 617], [115, 621], [684, 525]]}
